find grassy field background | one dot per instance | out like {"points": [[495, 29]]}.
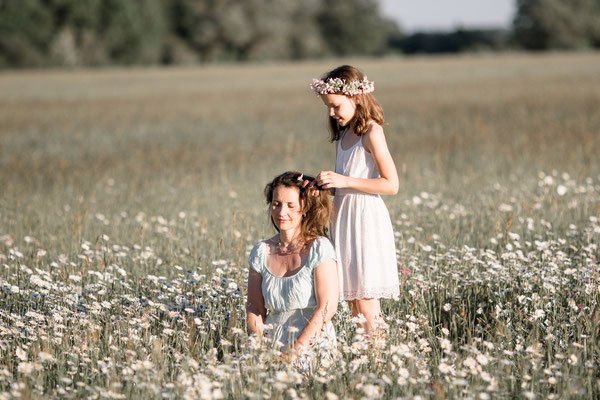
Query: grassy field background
{"points": [[129, 199]]}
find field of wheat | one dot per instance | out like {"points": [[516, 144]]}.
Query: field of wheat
{"points": [[129, 199]]}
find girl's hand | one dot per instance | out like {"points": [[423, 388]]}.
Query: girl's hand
{"points": [[311, 187], [332, 180]]}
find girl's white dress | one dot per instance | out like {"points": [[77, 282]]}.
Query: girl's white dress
{"points": [[290, 301], [362, 232]]}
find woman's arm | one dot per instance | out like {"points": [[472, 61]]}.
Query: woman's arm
{"points": [[327, 295], [374, 141], [256, 313]]}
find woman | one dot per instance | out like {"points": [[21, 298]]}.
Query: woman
{"points": [[293, 282]]}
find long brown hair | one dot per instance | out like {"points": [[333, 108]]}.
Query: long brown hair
{"points": [[314, 203], [367, 107]]}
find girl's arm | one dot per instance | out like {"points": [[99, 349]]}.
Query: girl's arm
{"points": [[256, 313], [374, 141], [327, 294]]}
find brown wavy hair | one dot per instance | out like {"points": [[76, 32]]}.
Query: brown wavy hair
{"points": [[367, 107], [315, 204]]}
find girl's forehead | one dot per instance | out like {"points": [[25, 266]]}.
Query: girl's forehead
{"points": [[333, 98]]}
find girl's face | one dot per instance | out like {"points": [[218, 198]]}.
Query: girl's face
{"points": [[339, 107], [286, 210]]}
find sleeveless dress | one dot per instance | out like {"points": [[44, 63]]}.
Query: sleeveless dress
{"points": [[290, 301], [362, 232]]}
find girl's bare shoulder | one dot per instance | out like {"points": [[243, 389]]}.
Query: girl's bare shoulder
{"points": [[373, 135]]}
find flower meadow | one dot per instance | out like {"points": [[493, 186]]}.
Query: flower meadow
{"points": [[125, 226]]}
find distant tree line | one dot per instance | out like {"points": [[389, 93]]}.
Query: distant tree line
{"points": [[37, 33], [557, 24]]}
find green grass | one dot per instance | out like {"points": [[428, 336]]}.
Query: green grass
{"points": [[129, 199]]}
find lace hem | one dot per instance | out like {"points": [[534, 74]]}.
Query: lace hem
{"points": [[373, 293]]}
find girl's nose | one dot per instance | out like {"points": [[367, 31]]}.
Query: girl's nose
{"points": [[331, 113]]}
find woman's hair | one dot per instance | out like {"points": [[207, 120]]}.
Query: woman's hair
{"points": [[367, 107], [315, 204]]}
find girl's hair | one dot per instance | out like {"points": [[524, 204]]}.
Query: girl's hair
{"points": [[315, 204], [367, 107]]}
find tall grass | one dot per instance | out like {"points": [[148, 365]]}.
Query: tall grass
{"points": [[130, 198]]}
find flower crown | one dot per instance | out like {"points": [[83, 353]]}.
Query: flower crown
{"points": [[339, 86]]}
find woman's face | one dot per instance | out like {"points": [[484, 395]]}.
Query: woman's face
{"points": [[339, 107], [286, 210]]}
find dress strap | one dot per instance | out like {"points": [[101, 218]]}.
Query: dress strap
{"points": [[343, 133]]}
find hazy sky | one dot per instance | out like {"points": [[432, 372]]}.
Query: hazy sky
{"points": [[415, 15]]}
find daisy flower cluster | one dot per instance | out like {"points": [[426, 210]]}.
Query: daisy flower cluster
{"points": [[509, 311]]}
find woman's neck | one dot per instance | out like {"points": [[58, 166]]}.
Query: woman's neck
{"points": [[289, 237], [288, 243]]}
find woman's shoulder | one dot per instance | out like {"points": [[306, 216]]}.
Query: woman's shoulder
{"points": [[322, 248], [257, 254], [320, 241], [258, 245]]}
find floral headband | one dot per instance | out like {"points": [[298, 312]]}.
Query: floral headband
{"points": [[339, 86]]}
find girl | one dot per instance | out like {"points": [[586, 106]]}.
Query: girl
{"points": [[364, 169]]}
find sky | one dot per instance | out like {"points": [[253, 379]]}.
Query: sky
{"points": [[444, 15]]}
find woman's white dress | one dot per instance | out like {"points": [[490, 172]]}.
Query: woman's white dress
{"points": [[362, 232], [290, 301]]}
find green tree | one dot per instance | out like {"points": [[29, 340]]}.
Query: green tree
{"points": [[102, 32], [304, 38], [75, 40], [354, 27], [557, 24], [231, 29], [133, 30], [25, 30], [80, 32]]}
